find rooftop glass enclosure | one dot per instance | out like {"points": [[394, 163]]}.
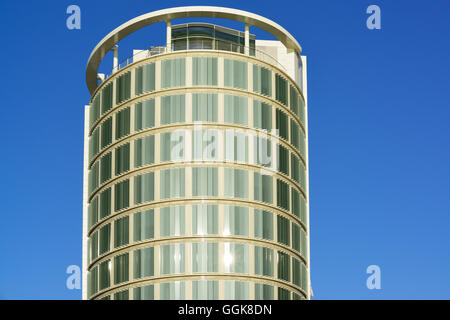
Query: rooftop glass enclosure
{"points": [[191, 36]]}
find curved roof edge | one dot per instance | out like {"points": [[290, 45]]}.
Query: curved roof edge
{"points": [[175, 13]]}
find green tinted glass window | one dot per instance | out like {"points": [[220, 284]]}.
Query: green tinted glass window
{"points": [[205, 257], [171, 258], [105, 203], [262, 80], [262, 115], [104, 239], [281, 89], [235, 73], [104, 274], [144, 186], [264, 261], [144, 293], [144, 151], [283, 159], [121, 268], [145, 78], [205, 219], [296, 237], [122, 156], [144, 115], [204, 182], [172, 183], [121, 195], [204, 71], [94, 111], [123, 87], [282, 123], [204, 107], [172, 221], [144, 263], [236, 183], [283, 230], [236, 221], [282, 194], [144, 225], [263, 187], [123, 123], [105, 167], [173, 73], [106, 132], [263, 224], [107, 97], [173, 109], [121, 232], [284, 266], [235, 109]]}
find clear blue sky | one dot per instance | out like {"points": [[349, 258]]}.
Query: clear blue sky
{"points": [[379, 139]]}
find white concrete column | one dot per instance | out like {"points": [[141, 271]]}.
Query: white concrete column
{"points": [[247, 39], [116, 58], [169, 35]]}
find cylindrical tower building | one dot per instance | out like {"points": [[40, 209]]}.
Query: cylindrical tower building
{"points": [[196, 164]]}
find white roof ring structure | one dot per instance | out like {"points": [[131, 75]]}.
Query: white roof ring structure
{"points": [[108, 42]]}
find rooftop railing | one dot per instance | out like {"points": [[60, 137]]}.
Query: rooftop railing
{"points": [[214, 45]]}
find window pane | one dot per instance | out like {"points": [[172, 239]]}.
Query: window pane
{"points": [[105, 203], [281, 89], [262, 115], [173, 73], [204, 182], [236, 146], [144, 293], [263, 224], [204, 71], [121, 231], [282, 195], [235, 108], [144, 225], [236, 221], [284, 266], [171, 258], [144, 115], [123, 87], [262, 80], [172, 221], [296, 237], [205, 144], [105, 239], [237, 290], [105, 168], [282, 124], [172, 183], [263, 292], [144, 188], [172, 109], [205, 290], [264, 261], [107, 97], [205, 257], [121, 268], [263, 188], [123, 123], [143, 263], [236, 183], [145, 78], [172, 290], [283, 230], [106, 132], [236, 258], [204, 219], [235, 73], [144, 151], [122, 161], [283, 159], [172, 145], [121, 195], [204, 107], [104, 274], [263, 151]]}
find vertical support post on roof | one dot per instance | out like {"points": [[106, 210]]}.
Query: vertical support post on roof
{"points": [[247, 39], [115, 49], [169, 35]]}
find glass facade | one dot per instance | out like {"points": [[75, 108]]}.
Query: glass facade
{"points": [[197, 170]]}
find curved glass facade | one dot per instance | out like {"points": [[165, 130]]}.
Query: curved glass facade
{"points": [[197, 179]]}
